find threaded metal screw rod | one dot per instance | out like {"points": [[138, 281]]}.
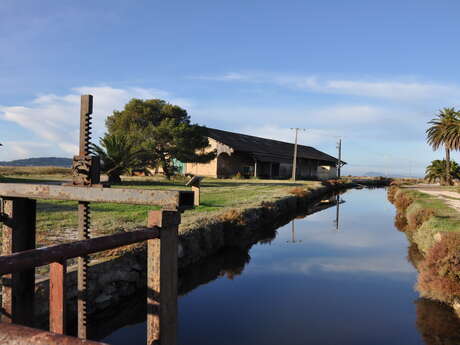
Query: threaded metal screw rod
{"points": [[84, 216]]}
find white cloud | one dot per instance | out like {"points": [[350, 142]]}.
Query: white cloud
{"points": [[21, 149], [374, 264], [55, 118], [309, 137], [395, 90]]}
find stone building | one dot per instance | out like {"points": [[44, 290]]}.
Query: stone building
{"points": [[263, 158]]}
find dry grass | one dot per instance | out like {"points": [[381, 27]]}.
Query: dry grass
{"points": [[34, 171], [439, 276], [402, 200], [299, 192], [416, 215], [232, 216], [57, 220]]}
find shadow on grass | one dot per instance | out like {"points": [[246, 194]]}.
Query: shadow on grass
{"points": [[29, 180], [215, 184], [45, 206]]}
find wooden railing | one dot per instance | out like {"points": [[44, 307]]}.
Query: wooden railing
{"points": [[20, 258]]}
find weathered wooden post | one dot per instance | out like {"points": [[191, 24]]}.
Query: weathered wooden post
{"points": [[194, 182], [162, 279], [18, 217]]}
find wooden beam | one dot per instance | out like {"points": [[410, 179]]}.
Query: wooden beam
{"points": [[19, 287], [58, 272], [172, 199], [45, 255], [20, 335], [162, 279], [196, 192]]}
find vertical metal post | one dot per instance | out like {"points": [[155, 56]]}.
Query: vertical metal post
{"points": [[294, 161], [162, 279], [255, 168], [57, 297], [339, 162], [18, 234]]}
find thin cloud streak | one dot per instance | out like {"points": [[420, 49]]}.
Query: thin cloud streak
{"points": [[396, 90]]}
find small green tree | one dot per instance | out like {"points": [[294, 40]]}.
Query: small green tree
{"points": [[435, 172], [118, 154], [162, 131]]}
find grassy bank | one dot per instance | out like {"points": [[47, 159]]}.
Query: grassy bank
{"points": [[57, 220], [234, 214], [433, 228]]}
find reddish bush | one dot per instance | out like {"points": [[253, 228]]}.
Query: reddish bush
{"points": [[400, 221], [414, 255], [416, 218], [440, 271], [391, 193], [402, 201]]}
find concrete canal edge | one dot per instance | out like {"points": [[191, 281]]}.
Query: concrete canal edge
{"points": [[433, 232], [121, 274]]}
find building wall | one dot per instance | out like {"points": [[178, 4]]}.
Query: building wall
{"points": [[230, 165], [326, 172], [208, 169]]}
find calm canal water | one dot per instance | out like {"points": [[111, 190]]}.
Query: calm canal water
{"points": [[311, 284]]}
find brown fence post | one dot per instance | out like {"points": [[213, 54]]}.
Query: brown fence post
{"points": [[58, 272], [162, 279], [18, 234]]}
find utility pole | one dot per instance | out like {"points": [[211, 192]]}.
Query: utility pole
{"points": [[339, 162], [294, 161]]}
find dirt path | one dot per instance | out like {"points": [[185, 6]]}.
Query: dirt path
{"points": [[449, 197]]}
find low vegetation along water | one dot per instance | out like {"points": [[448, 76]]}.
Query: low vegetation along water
{"points": [[311, 282]]}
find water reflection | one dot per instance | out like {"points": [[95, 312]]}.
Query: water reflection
{"points": [[353, 286], [437, 323]]}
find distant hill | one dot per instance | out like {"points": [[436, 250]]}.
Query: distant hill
{"points": [[373, 174], [376, 174], [40, 162]]}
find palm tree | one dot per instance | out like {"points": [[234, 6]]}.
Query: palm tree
{"points": [[443, 132], [436, 171], [118, 154]]}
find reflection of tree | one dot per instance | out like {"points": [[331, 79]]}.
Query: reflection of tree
{"points": [[437, 323]]}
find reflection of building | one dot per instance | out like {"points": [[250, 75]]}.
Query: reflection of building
{"points": [[265, 158]]}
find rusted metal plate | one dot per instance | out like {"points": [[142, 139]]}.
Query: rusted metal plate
{"points": [[165, 198], [46, 255], [11, 334]]}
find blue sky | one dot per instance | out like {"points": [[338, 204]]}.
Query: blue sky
{"points": [[372, 72]]}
